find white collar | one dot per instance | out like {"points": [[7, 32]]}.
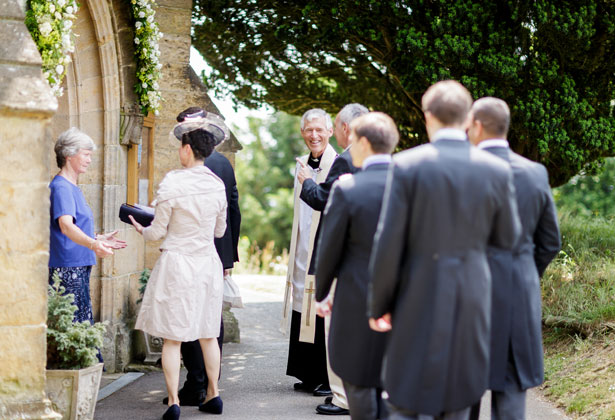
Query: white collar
{"points": [[450, 134], [493, 143], [376, 159]]}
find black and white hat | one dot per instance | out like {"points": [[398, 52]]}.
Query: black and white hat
{"points": [[208, 121]]}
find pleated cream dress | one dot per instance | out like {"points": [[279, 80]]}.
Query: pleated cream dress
{"points": [[183, 298]]}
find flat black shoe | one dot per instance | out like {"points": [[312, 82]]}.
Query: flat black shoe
{"points": [[192, 399], [331, 410], [172, 413], [302, 386], [322, 391], [213, 406]]}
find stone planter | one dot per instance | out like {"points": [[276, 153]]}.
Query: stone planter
{"points": [[73, 393], [153, 348]]}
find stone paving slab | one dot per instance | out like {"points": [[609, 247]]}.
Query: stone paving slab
{"points": [[254, 385]]}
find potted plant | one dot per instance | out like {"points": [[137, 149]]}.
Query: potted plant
{"points": [[153, 344], [73, 368]]}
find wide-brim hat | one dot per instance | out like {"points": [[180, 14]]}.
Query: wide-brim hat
{"points": [[208, 121]]}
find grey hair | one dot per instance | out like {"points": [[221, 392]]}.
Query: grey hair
{"points": [[69, 143], [316, 113], [350, 112]]}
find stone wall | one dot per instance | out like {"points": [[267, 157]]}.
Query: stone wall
{"points": [[26, 105]]}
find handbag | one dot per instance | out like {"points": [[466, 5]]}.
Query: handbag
{"points": [[231, 294], [142, 214]]}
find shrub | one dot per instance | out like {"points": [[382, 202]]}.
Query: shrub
{"points": [[69, 345]]}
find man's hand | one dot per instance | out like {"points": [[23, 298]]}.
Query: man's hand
{"points": [[382, 324], [110, 241], [304, 173], [323, 308]]}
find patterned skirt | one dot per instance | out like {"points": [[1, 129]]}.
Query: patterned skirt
{"points": [[76, 280]]}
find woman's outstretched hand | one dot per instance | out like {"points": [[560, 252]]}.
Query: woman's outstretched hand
{"points": [[109, 240], [138, 226]]}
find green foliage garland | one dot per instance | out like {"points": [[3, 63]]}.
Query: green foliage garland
{"points": [[50, 23], [147, 55], [69, 345]]}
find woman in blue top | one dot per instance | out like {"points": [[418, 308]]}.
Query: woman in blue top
{"points": [[73, 247]]}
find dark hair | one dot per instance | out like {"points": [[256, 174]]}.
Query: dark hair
{"points": [[448, 100], [188, 111], [379, 129], [201, 142], [493, 113]]}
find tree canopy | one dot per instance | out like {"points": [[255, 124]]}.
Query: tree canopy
{"points": [[551, 60]]}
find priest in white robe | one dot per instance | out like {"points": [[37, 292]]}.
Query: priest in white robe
{"points": [[307, 356]]}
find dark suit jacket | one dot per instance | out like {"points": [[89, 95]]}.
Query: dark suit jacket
{"points": [[429, 269], [316, 195], [227, 244], [516, 296], [348, 227]]}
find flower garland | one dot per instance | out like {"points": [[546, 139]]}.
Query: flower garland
{"points": [[50, 23], [147, 54]]}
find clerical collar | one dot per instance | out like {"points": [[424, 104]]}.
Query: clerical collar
{"points": [[314, 162], [376, 159], [450, 134], [493, 143]]}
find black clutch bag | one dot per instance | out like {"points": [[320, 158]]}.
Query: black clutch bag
{"points": [[143, 215]]}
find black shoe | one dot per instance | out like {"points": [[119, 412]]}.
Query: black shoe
{"points": [[328, 400], [172, 413], [302, 386], [322, 391], [331, 410], [213, 406], [192, 399]]}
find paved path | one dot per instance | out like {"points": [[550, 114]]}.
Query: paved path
{"points": [[253, 385]]}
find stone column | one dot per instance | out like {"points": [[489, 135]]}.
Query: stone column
{"points": [[26, 106]]}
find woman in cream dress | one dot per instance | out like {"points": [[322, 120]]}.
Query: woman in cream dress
{"points": [[183, 298]]}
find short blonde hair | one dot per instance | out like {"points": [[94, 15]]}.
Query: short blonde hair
{"points": [[69, 143], [449, 101]]}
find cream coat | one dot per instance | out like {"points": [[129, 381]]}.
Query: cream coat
{"points": [[183, 298]]}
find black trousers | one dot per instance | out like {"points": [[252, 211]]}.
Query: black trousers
{"points": [[196, 380], [364, 403], [307, 361]]}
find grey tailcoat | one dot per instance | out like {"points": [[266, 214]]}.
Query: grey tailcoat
{"points": [[428, 268], [348, 227], [516, 296]]}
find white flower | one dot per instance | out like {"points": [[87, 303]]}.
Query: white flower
{"points": [[138, 24], [45, 28], [158, 66], [137, 41], [61, 3], [150, 18], [70, 10], [58, 15], [144, 85], [52, 8], [59, 69], [141, 14], [156, 86], [156, 112], [68, 24]]}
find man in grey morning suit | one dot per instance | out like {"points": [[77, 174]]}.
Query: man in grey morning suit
{"points": [[516, 338], [348, 227], [316, 196], [430, 280]]}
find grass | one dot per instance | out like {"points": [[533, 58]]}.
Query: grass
{"points": [[579, 312]]}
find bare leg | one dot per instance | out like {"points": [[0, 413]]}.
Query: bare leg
{"points": [[211, 357], [170, 367]]}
